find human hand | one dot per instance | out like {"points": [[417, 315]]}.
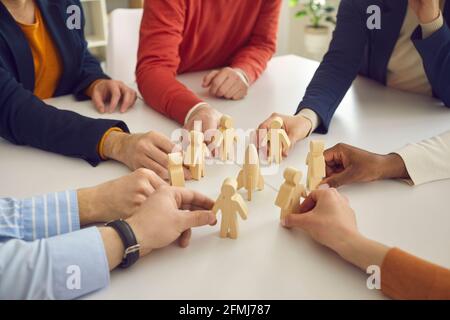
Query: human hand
{"points": [[346, 164], [426, 10], [142, 150], [296, 127], [226, 83], [208, 116], [117, 199], [168, 215], [112, 92]]}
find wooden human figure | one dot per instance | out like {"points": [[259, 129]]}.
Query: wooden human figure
{"points": [[316, 164], [195, 154], [250, 176], [278, 140], [176, 173], [291, 192], [230, 203], [228, 139]]}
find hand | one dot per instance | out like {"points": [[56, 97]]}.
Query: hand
{"points": [[168, 215], [426, 10], [144, 150], [112, 92], [327, 217], [209, 117], [296, 127], [346, 164], [117, 199], [226, 83]]}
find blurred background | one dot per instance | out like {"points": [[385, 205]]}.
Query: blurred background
{"points": [[305, 25]]}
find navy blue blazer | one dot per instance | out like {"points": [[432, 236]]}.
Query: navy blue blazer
{"points": [[25, 119], [356, 49]]}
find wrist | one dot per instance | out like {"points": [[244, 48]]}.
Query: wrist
{"points": [[114, 247], [114, 144], [85, 207], [145, 246], [393, 167]]}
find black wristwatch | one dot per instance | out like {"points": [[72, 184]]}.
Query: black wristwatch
{"points": [[131, 254]]}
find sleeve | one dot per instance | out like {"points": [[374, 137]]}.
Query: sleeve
{"points": [[428, 160], [39, 217], [435, 53], [63, 267], [26, 120], [253, 58], [90, 66], [339, 67], [406, 277], [158, 59]]}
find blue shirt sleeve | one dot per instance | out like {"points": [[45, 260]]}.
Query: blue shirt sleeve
{"points": [[39, 217], [62, 267]]}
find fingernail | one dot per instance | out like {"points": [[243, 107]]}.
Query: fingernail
{"points": [[324, 186], [212, 218]]}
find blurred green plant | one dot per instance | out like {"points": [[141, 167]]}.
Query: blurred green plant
{"points": [[316, 10]]}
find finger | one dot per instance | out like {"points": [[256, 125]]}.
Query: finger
{"points": [[155, 180], [225, 87], [159, 156], [267, 122], [97, 100], [235, 88], [129, 98], [185, 238], [240, 94], [209, 77], [187, 174], [191, 198], [217, 82], [115, 97], [156, 167], [339, 179], [333, 156], [192, 219], [164, 143], [297, 221]]}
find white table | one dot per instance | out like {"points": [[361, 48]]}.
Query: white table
{"points": [[267, 261]]}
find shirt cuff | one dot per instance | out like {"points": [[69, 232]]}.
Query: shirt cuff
{"points": [[50, 215], [102, 142], [79, 263], [191, 111], [312, 117], [241, 73], [429, 28]]}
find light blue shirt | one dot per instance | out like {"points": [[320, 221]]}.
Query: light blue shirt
{"points": [[43, 252]]}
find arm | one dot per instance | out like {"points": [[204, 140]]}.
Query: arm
{"points": [[253, 58], [241, 208], [26, 120], [286, 143], [158, 59], [340, 65], [47, 269], [90, 67]]}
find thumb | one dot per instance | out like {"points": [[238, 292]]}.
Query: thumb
{"points": [[339, 179], [297, 220], [97, 100], [209, 77], [192, 219]]}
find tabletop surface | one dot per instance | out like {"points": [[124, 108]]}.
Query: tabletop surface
{"points": [[268, 261]]}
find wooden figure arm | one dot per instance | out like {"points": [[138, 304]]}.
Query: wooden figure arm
{"points": [[241, 208]]}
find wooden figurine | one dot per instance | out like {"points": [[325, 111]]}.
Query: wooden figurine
{"points": [[250, 176], [195, 154], [230, 203], [228, 139], [176, 173], [316, 164], [277, 140], [291, 192]]}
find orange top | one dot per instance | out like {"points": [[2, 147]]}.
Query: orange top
{"points": [[47, 62], [404, 276]]}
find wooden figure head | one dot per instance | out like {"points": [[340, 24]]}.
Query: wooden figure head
{"points": [[277, 123], [229, 187], [292, 175], [196, 138], [175, 159], [317, 146], [226, 122], [251, 155]]}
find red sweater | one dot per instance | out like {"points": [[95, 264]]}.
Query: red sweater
{"points": [[180, 36]]}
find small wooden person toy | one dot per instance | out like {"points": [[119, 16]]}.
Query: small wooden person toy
{"points": [[195, 154], [277, 140], [291, 192], [228, 139], [316, 164], [176, 173], [230, 203], [250, 176]]}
